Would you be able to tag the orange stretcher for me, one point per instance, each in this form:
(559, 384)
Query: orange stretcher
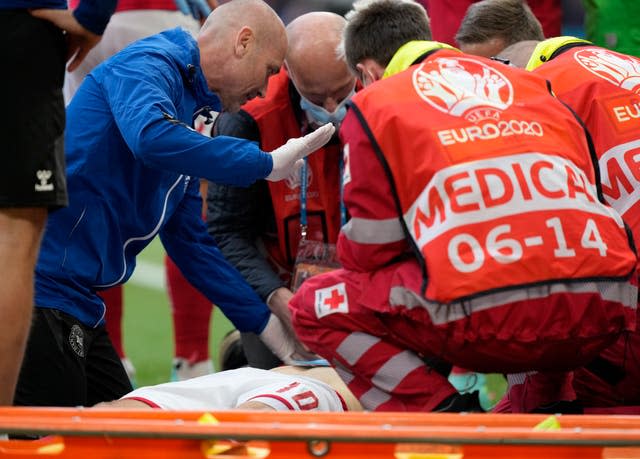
(70, 433)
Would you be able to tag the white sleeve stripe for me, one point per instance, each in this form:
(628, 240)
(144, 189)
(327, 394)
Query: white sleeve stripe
(370, 231)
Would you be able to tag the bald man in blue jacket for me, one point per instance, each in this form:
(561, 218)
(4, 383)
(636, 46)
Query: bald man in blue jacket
(132, 166)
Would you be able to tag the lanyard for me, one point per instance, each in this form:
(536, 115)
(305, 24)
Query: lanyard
(303, 198)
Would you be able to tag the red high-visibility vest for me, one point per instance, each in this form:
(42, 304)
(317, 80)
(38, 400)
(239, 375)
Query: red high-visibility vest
(603, 87)
(493, 178)
(277, 123)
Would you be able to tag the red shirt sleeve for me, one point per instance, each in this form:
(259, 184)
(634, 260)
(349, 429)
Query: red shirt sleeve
(373, 236)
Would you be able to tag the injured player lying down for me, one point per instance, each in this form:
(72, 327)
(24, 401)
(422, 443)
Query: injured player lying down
(286, 388)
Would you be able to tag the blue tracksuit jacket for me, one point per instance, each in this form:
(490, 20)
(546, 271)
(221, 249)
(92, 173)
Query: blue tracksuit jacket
(132, 160)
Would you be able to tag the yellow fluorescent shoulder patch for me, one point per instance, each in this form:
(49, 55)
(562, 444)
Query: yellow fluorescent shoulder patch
(545, 49)
(409, 52)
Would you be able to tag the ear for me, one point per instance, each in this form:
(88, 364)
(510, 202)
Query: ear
(498, 41)
(369, 71)
(497, 45)
(244, 40)
(377, 71)
(362, 74)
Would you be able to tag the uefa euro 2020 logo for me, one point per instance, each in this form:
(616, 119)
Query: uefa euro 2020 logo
(463, 87)
(622, 71)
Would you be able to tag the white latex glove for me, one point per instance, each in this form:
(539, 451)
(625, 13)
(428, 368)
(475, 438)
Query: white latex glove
(282, 343)
(289, 158)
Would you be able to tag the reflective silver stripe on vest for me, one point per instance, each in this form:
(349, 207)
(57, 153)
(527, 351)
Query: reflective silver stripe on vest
(373, 398)
(517, 379)
(344, 374)
(370, 231)
(355, 345)
(440, 313)
(395, 370)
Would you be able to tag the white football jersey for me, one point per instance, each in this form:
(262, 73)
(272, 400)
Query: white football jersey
(228, 389)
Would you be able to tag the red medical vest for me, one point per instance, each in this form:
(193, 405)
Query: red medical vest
(277, 123)
(493, 178)
(603, 87)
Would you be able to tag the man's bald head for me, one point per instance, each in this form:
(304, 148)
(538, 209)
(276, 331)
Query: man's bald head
(317, 70)
(235, 14)
(314, 39)
(242, 43)
(519, 53)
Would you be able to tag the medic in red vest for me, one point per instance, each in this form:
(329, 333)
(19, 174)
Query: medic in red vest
(478, 233)
(603, 87)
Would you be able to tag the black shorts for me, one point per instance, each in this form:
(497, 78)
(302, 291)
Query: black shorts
(32, 116)
(67, 363)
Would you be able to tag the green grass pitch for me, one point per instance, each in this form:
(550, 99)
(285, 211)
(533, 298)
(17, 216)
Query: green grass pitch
(147, 329)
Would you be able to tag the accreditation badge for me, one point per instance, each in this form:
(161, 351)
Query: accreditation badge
(313, 257)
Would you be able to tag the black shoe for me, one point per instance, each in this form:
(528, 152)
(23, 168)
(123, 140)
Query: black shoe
(231, 355)
(459, 403)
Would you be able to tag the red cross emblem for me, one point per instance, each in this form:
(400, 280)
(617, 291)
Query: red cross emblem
(335, 301)
(331, 300)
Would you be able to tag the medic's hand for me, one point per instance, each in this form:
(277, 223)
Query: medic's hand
(283, 343)
(199, 9)
(289, 158)
(79, 40)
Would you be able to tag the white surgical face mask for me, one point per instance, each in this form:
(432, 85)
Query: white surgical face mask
(320, 116)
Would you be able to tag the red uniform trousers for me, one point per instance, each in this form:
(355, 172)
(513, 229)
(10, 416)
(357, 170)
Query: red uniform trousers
(377, 331)
(536, 390)
(613, 379)
(606, 385)
(191, 313)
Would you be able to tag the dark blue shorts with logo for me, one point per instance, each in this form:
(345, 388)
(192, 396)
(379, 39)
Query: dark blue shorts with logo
(67, 363)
